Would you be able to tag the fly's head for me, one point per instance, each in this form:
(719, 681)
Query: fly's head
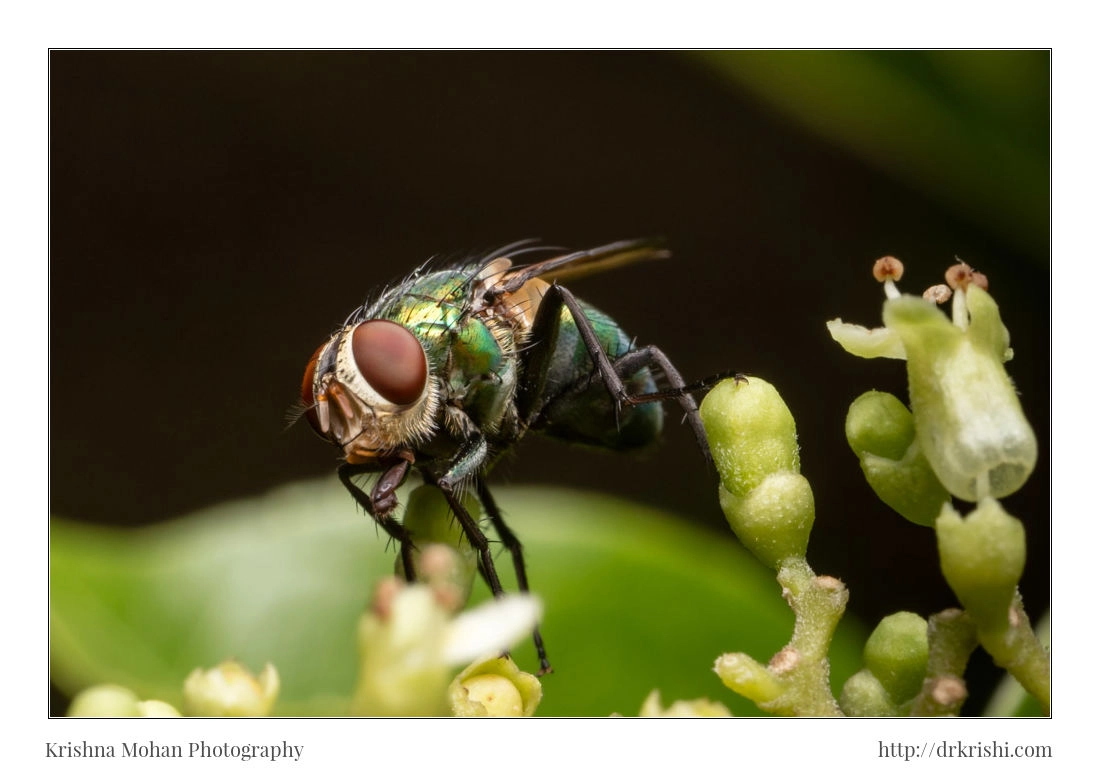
(369, 390)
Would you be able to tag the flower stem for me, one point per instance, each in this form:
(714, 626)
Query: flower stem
(796, 680)
(951, 640)
(1018, 650)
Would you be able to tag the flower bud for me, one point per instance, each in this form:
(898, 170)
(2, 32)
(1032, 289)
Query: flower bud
(105, 701)
(881, 433)
(751, 433)
(401, 669)
(696, 708)
(896, 653)
(768, 504)
(982, 558)
(746, 676)
(773, 522)
(409, 646)
(154, 708)
(864, 697)
(968, 418)
(230, 690)
(495, 688)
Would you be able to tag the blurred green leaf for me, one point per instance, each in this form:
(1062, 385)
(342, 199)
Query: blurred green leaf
(968, 128)
(635, 599)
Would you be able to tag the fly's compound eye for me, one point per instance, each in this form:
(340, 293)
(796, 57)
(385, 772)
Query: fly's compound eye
(309, 402)
(391, 360)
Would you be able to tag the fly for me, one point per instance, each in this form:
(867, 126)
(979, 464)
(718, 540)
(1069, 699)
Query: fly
(449, 368)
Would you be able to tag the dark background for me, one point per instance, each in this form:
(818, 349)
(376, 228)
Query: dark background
(214, 215)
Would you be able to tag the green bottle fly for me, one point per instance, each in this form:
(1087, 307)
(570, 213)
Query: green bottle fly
(449, 368)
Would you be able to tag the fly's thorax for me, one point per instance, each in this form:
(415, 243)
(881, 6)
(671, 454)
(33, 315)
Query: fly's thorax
(369, 390)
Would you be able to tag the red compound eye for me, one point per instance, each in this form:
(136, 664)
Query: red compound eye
(391, 360)
(308, 400)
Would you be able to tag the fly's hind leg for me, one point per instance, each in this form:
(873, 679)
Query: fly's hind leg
(610, 372)
(652, 356)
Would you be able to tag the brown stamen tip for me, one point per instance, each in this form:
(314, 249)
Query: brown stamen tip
(979, 279)
(888, 268)
(959, 275)
(938, 294)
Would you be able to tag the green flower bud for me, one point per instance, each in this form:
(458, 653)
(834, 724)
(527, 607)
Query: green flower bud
(230, 690)
(105, 701)
(864, 697)
(746, 676)
(429, 521)
(881, 433)
(879, 424)
(751, 433)
(495, 688)
(775, 519)
(697, 708)
(755, 448)
(968, 418)
(982, 558)
(896, 653)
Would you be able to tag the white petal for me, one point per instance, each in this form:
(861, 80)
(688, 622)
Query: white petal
(492, 627)
(866, 343)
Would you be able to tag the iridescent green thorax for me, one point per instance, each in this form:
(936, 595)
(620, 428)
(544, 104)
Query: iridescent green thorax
(472, 354)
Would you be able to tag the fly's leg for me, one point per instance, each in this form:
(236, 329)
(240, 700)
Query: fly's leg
(474, 534)
(512, 543)
(469, 461)
(649, 356)
(380, 503)
(531, 403)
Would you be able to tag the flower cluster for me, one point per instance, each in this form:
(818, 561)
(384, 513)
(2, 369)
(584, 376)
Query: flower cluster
(413, 640)
(963, 436)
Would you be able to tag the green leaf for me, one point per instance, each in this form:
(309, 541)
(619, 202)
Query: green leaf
(635, 599)
(968, 128)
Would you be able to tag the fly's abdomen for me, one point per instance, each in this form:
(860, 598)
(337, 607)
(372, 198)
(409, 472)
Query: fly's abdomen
(590, 416)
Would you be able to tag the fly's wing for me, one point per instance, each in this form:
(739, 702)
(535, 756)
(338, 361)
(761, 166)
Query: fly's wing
(580, 263)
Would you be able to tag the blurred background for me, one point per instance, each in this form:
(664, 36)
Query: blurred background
(215, 215)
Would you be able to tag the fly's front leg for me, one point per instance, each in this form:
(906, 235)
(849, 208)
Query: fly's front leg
(384, 493)
(381, 502)
(463, 468)
(474, 534)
